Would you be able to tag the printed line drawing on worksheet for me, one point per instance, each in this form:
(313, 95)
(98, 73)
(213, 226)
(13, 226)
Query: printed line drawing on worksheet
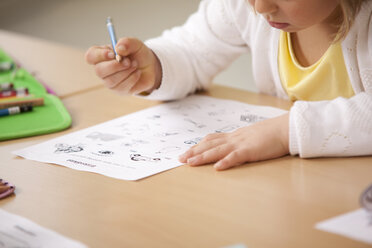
(149, 141)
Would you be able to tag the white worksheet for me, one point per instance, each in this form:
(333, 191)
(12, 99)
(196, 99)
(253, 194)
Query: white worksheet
(355, 225)
(16, 231)
(149, 141)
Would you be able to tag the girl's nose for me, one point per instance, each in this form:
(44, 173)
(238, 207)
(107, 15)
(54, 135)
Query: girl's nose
(265, 6)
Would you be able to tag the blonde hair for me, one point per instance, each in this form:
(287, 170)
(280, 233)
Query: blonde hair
(349, 10)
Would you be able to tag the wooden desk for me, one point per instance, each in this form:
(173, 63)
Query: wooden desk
(49, 61)
(274, 203)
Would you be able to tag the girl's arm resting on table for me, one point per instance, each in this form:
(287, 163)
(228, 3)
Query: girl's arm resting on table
(264, 140)
(341, 127)
(337, 128)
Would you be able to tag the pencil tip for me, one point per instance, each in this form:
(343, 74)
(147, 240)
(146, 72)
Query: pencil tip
(118, 58)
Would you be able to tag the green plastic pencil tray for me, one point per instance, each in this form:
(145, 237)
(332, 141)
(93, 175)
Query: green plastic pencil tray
(49, 118)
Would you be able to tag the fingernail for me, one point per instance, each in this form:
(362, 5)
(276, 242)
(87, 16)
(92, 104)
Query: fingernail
(111, 55)
(217, 165)
(121, 48)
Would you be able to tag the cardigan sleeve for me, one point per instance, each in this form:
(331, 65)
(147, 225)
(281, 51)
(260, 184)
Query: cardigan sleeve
(192, 54)
(337, 128)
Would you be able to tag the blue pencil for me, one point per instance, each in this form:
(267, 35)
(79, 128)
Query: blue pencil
(15, 110)
(111, 31)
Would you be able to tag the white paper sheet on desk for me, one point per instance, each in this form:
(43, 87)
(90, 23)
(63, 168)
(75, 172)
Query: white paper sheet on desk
(16, 231)
(355, 225)
(149, 141)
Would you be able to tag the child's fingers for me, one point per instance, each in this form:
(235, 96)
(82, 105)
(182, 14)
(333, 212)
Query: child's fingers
(118, 78)
(146, 83)
(128, 46)
(198, 149)
(4, 188)
(209, 156)
(96, 54)
(107, 68)
(126, 85)
(234, 158)
(213, 136)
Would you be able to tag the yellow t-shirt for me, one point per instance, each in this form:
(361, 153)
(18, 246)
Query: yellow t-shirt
(325, 80)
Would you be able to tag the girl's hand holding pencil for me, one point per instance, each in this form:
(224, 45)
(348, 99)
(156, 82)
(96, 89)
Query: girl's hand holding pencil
(138, 71)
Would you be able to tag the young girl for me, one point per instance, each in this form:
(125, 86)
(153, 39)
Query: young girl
(317, 53)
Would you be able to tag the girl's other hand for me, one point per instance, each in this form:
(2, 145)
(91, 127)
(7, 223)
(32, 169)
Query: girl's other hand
(264, 140)
(138, 71)
(4, 188)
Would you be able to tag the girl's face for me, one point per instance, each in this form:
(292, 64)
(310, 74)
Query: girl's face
(295, 15)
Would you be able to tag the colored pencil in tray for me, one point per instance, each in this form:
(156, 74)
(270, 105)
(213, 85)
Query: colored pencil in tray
(14, 92)
(6, 86)
(21, 101)
(15, 110)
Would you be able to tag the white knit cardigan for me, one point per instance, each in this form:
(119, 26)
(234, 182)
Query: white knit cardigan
(221, 30)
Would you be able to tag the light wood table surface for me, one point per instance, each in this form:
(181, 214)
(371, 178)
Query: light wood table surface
(274, 203)
(49, 61)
